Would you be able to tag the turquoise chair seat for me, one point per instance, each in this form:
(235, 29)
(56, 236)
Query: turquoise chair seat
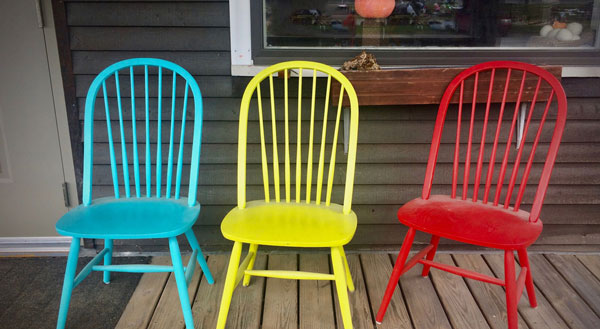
(129, 218)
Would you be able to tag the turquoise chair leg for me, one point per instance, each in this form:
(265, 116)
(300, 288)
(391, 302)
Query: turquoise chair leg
(108, 243)
(65, 299)
(182, 287)
(201, 260)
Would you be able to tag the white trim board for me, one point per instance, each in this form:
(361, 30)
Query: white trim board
(567, 71)
(35, 246)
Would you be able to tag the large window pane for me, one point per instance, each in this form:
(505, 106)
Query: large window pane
(429, 23)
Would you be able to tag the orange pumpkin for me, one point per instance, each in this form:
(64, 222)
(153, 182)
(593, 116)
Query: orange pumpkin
(559, 25)
(374, 8)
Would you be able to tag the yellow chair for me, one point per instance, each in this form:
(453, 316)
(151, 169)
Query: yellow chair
(298, 220)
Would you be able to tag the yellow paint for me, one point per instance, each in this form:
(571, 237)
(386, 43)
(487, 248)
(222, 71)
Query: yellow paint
(293, 224)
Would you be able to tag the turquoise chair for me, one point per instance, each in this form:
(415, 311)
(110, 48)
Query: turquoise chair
(160, 212)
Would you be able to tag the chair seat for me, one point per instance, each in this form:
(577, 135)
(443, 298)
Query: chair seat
(133, 218)
(289, 224)
(471, 222)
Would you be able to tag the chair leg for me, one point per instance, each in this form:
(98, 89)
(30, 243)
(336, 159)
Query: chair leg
(389, 291)
(524, 261)
(511, 289)
(65, 299)
(200, 258)
(435, 240)
(232, 269)
(253, 248)
(348, 274)
(108, 243)
(182, 287)
(340, 284)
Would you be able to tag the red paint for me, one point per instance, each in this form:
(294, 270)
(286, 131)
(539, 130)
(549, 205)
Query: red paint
(476, 222)
(374, 8)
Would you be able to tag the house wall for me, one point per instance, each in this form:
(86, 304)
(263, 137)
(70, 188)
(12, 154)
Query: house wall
(393, 141)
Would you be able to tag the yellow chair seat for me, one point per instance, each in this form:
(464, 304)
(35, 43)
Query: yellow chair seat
(289, 224)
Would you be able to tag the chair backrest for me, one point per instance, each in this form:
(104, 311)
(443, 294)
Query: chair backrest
(294, 107)
(501, 81)
(140, 71)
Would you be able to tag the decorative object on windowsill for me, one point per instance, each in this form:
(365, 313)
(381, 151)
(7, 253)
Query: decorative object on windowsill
(374, 8)
(561, 34)
(362, 62)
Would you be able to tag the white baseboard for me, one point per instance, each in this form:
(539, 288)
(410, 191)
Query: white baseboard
(34, 246)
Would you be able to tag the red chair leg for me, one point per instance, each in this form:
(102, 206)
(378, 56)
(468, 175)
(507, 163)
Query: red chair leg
(511, 289)
(435, 240)
(389, 291)
(524, 261)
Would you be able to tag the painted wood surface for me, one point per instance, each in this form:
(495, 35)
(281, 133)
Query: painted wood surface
(393, 140)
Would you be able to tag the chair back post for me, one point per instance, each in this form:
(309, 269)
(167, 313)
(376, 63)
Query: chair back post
(544, 80)
(254, 89)
(100, 82)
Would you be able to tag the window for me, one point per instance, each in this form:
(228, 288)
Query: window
(428, 32)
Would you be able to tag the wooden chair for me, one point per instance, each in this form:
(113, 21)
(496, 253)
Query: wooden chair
(160, 211)
(298, 219)
(482, 219)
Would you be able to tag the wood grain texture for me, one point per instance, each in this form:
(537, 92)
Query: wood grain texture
(205, 308)
(426, 86)
(139, 310)
(579, 277)
(378, 269)
(164, 316)
(315, 297)
(424, 306)
(592, 262)
(544, 315)
(359, 300)
(246, 306)
(490, 298)
(561, 295)
(281, 296)
(460, 306)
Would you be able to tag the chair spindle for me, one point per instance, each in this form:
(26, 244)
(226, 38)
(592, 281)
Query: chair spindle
(275, 155)
(323, 139)
(122, 131)
(136, 160)
(171, 139)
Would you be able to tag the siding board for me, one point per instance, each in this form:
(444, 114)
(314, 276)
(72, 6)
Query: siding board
(150, 38)
(393, 140)
(168, 13)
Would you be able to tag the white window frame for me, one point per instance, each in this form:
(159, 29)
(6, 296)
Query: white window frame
(241, 46)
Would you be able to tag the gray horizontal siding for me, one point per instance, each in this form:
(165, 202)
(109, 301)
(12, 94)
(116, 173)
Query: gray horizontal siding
(393, 140)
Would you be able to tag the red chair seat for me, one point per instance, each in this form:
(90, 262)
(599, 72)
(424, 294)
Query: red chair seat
(471, 222)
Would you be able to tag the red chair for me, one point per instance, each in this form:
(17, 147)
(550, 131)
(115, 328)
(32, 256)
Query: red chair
(481, 219)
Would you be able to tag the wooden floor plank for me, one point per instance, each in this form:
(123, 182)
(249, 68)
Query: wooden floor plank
(139, 310)
(461, 308)
(579, 277)
(491, 298)
(565, 300)
(205, 308)
(424, 306)
(316, 309)
(246, 305)
(592, 262)
(359, 301)
(378, 269)
(544, 315)
(281, 295)
(166, 314)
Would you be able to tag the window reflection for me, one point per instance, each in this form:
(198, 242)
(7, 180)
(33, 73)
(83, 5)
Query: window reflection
(432, 23)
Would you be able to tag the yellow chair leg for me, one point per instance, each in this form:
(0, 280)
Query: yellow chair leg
(234, 262)
(340, 285)
(348, 274)
(253, 248)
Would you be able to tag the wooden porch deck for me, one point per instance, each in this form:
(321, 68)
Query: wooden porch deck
(567, 286)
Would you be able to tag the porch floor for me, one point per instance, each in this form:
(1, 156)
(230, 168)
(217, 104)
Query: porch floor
(567, 287)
